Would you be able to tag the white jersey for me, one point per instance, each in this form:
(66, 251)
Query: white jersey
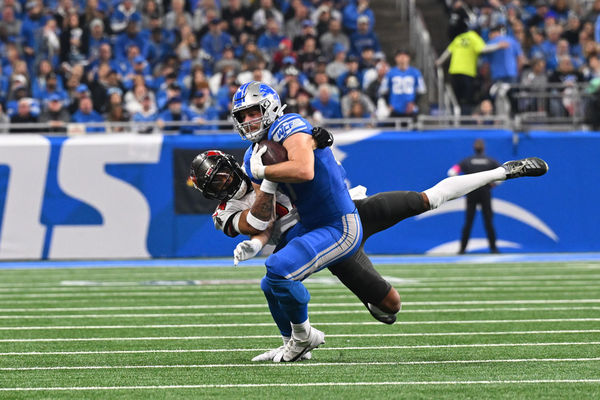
(287, 215)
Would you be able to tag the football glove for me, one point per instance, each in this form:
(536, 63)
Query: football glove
(246, 250)
(256, 164)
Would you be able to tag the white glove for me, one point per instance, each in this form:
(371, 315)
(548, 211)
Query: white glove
(256, 165)
(246, 250)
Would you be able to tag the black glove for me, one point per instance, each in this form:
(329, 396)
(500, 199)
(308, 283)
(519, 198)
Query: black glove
(322, 137)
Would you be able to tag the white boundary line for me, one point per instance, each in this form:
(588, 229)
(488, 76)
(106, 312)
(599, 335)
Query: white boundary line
(149, 338)
(317, 364)
(307, 384)
(321, 292)
(262, 305)
(405, 347)
(242, 325)
(266, 313)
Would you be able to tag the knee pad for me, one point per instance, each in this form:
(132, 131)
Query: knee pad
(415, 202)
(286, 291)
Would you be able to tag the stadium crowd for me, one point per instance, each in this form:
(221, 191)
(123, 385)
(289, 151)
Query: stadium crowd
(546, 42)
(154, 62)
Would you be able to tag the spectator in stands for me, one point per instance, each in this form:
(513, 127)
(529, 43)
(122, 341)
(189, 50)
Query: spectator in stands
(465, 50)
(308, 30)
(402, 87)
(23, 116)
(294, 26)
(356, 95)
(175, 112)
(549, 46)
(319, 79)
(334, 36)
(33, 21)
(51, 89)
(126, 11)
(538, 19)
(484, 113)
(265, 10)
(338, 66)
(506, 62)
(116, 118)
(373, 85)
(130, 37)
(352, 69)
(308, 56)
(202, 109)
(48, 43)
(95, 39)
(324, 103)
(565, 101)
(353, 11)
(146, 116)
(11, 24)
(86, 114)
(73, 40)
(364, 37)
(214, 42)
(269, 41)
(55, 115)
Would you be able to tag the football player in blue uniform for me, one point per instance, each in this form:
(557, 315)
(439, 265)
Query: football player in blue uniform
(218, 176)
(329, 230)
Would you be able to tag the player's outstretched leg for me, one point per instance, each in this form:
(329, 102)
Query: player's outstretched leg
(530, 166)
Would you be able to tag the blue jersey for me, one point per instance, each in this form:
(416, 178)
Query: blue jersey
(323, 199)
(402, 87)
(504, 62)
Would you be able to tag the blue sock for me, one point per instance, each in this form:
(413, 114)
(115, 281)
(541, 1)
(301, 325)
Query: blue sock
(292, 297)
(278, 314)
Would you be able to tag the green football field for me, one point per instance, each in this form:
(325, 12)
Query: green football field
(510, 330)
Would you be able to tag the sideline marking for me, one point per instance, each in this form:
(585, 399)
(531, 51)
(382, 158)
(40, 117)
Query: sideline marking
(262, 305)
(266, 313)
(243, 325)
(148, 338)
(262, 385)
(286, 365)
(259, 262)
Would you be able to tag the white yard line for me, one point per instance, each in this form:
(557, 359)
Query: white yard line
(242, 325)
(306, 384)
(405, 347)
(262, 305)
(266, 313)
(149, 338)
(321, 291)
(312, 364)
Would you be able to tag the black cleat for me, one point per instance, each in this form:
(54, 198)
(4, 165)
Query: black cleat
(530, 166)
(381, 316)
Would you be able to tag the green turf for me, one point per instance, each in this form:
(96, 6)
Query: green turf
(466, 331)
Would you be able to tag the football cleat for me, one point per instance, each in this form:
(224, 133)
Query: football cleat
(270, 355)
(295, 349)
(530, 166)
(381, 316)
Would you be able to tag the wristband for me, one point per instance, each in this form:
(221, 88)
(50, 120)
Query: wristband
(256, 223)
(268, 186)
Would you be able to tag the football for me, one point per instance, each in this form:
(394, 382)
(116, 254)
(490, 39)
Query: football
(275, 153)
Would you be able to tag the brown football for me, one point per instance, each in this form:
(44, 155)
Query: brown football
(275, 153)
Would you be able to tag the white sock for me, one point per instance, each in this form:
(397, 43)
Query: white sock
(457, 186)
(301, 331)
(286, 339)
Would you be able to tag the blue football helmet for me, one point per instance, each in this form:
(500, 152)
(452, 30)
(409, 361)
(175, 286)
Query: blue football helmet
(265, 99)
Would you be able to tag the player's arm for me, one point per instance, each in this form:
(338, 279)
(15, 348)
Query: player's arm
(249, 248)
(300, 166)
(260, 216)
